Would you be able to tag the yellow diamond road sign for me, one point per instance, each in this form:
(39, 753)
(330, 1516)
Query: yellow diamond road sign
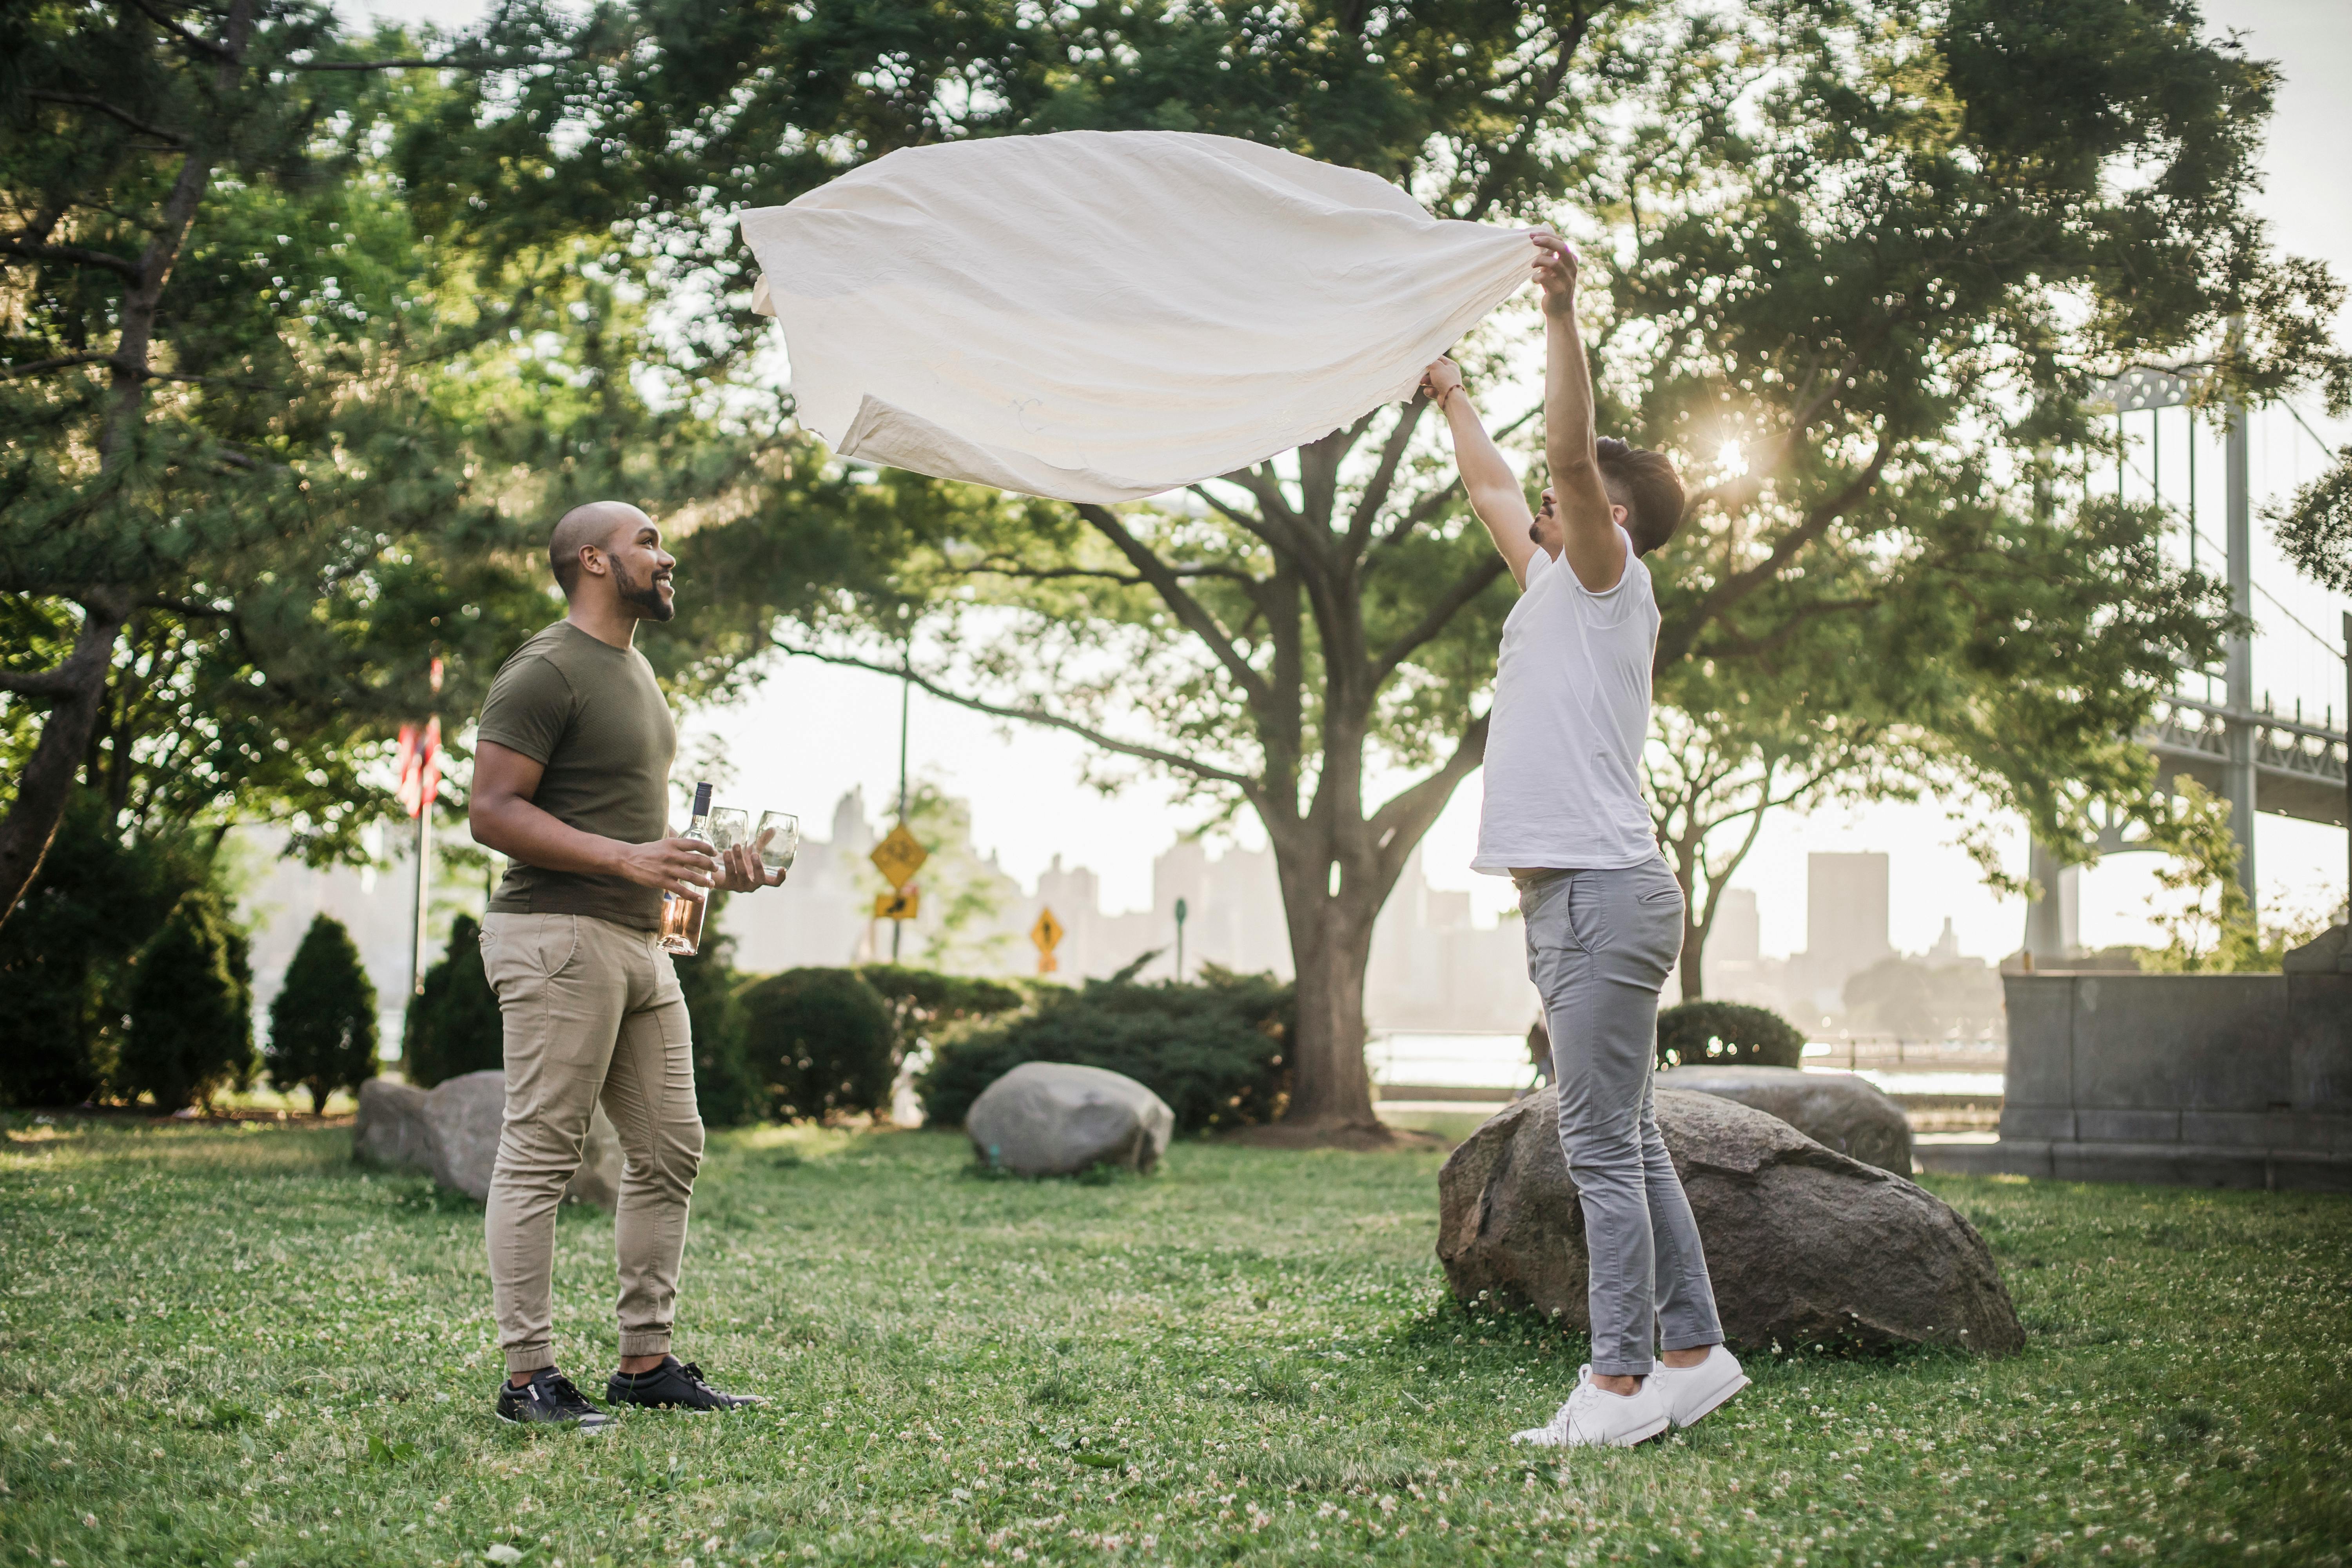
(898, 856)
(1047, 934)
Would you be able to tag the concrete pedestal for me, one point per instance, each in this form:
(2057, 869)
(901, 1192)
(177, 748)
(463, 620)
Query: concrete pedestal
(2216, 1081)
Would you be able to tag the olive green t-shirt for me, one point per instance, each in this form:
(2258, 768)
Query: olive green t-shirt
(592, 715)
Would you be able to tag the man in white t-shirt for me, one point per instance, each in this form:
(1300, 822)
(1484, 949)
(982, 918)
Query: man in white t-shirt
(1564, 817)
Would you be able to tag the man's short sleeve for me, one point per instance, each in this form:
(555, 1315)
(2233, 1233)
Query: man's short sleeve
(529, 708)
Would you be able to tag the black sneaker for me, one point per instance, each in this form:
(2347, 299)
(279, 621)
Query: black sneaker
(550, 1398)
(673, 1385)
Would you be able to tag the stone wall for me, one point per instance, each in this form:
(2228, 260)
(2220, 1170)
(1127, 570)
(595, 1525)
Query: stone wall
(2223, 1080)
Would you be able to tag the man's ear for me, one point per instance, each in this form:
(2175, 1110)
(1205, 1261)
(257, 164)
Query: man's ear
(593, 562)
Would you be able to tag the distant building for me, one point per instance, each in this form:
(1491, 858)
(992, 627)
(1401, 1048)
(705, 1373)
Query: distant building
(1845, 930)
(1737, 936)
(1431, 969)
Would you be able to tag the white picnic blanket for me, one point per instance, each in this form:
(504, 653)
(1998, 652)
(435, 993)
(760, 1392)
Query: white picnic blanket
(1099, 316)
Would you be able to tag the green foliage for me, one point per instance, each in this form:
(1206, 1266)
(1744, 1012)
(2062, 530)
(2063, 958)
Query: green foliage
(453, 1025)
(927, 1006)
(64, 958)
(190, 1031)
(2315, 529)
(2209, 924)
(1214, 1049)
(1881, 250)
(1727, 1033)
(819, 1042)
(726, 1092)
(322, 1025)
(359, 424)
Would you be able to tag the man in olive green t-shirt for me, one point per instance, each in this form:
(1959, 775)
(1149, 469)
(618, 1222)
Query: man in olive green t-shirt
(572, 784)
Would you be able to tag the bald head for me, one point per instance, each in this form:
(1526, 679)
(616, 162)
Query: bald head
(596, 525)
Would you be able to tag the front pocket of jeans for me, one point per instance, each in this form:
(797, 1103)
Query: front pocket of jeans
(558, 944)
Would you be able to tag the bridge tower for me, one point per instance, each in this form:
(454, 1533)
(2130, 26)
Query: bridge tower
(2249, 757)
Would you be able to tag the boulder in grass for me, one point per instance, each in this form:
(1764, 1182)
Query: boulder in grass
(392, 1131)
(452, 1133)
(1055, 1119)
(1837, 1111)
(1805, 1245)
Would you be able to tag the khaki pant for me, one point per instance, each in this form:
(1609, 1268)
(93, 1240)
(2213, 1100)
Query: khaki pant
(593, 1010)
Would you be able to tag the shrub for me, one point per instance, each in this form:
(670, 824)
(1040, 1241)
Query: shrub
(818, 1042)
(1214, 1050)
(453, 1026)
(726, 1092)
(191, 1008)
(322, 1020)
(924, 1002)
(66, 954)
(1727, 1033)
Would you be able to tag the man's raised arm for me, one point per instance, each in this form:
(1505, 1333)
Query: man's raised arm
(1493, 491)
(1590, 541)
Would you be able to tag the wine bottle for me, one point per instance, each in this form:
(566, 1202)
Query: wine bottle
(681, 924)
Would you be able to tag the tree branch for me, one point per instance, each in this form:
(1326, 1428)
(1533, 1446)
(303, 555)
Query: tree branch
(1398, 825)
(446, 62)
(72, 255)
(1376, 490)
(1028, 716)
(85, 100)
(62, 361)
(1473, 583)
(996, 567)
(1194, 615)
(204, 45)
(1676, 644)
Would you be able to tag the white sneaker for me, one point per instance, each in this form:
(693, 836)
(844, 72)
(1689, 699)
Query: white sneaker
(1593, 1418)
(1691, 1392)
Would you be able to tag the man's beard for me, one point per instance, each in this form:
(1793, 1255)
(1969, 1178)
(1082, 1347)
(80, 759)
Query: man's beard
(645, 597)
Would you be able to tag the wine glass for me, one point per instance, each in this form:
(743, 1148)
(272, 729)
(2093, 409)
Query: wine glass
(779, 839)
(727, 826)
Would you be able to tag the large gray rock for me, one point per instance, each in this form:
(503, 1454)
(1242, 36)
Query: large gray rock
(1803, 1244)
(392, 1131)
(1052, 1119)
(1836, 1111)
(452, 1134)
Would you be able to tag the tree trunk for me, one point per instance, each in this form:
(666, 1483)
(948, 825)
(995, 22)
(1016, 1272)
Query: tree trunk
(1331, 948)
(78, 686)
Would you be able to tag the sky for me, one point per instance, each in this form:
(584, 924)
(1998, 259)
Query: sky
(811, 732)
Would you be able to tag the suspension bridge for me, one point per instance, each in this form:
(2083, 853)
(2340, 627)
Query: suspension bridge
(2213, 727)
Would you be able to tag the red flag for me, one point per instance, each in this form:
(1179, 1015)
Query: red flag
(420, 765)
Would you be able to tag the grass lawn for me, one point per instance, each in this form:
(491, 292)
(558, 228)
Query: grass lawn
(226, 1345)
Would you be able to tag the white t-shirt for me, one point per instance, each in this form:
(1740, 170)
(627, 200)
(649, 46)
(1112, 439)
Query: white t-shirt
(1571, 712)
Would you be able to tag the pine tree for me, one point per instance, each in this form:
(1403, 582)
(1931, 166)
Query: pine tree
(191, 1008)
(453, 1025)
(323, 1031)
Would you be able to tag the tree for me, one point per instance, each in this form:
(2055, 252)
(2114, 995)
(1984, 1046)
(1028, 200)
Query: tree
(726, 1092)
(2315, 529)
(322, 1028)
(453, 1025)
(65, 967)
(1861, 262)
(191, 1030)
(271, 443)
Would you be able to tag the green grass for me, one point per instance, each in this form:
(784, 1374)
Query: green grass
(229, 1346)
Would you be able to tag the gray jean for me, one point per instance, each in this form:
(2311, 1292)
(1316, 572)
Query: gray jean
(1600, 946)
